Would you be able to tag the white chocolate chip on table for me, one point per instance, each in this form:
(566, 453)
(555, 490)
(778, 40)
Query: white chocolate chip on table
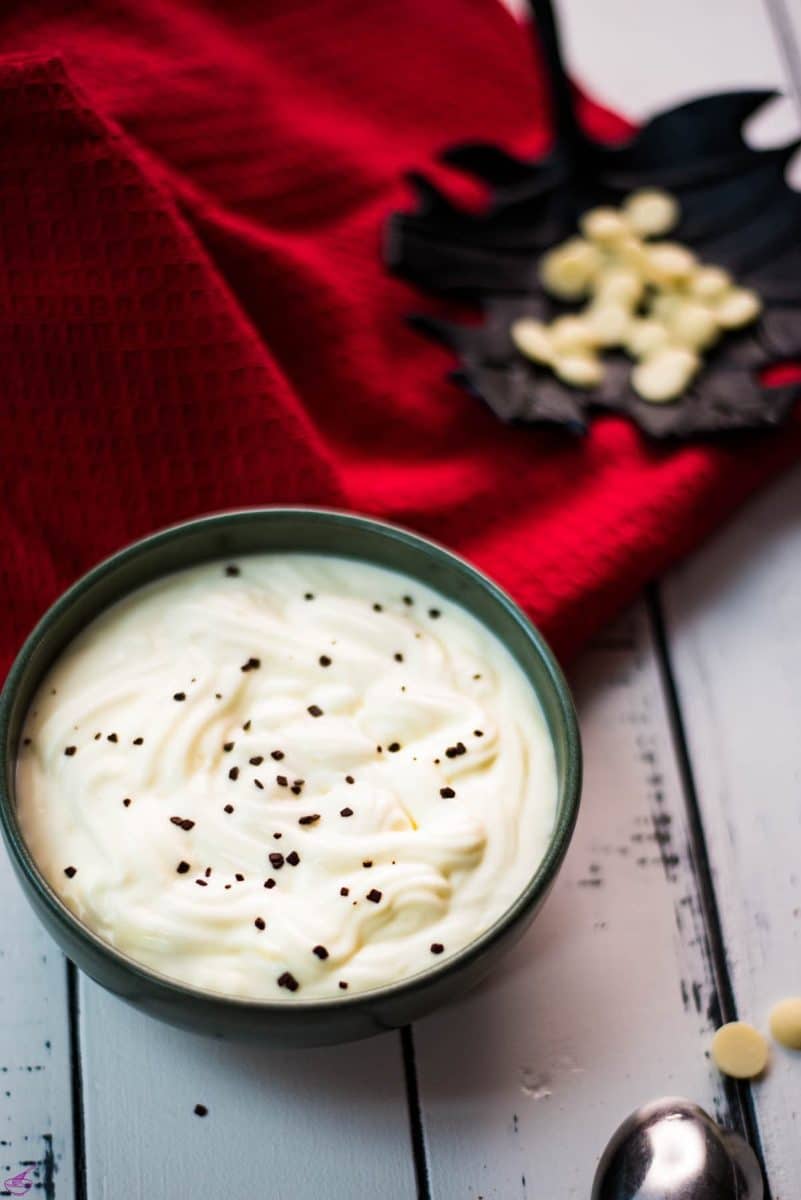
(785, 1022)
(740, 1050)
(651, 298)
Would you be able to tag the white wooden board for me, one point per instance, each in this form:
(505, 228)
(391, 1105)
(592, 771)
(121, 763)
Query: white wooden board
(604, 1003)
(298, 1125)
(35, 1081)
(734, 615)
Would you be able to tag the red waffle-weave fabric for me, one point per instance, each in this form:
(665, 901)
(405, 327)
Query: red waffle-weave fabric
(194, 313)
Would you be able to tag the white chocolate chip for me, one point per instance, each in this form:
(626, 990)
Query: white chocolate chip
(651, 212)
(785, 1022)
(567, 270)
(532, 339)
(694, 325)
(620, 284)
(569, 334)
(665, 375)
(740, 1050)
(737, 307)
(668, 264)
(604, 225)
(645, 336)
(709, 283)
(664, 306)
(579, 370)
(607, 322)
(631, 252)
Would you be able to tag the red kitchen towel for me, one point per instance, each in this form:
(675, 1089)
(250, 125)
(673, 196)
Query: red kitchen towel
(195, 314)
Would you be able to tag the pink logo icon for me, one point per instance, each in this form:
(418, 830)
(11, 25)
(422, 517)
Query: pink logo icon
(18, 1185)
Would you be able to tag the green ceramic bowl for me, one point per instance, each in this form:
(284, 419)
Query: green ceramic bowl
(226, 535)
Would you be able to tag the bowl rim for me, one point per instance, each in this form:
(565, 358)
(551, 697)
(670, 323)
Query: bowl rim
(568, 796)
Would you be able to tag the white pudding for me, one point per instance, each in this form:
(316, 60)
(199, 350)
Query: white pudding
(288, 775)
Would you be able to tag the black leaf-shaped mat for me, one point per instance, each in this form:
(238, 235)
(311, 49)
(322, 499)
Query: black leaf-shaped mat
(737, 211)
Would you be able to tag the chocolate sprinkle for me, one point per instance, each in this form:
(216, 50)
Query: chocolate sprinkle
(408, 600)
(207, 872)
(293, 858)
(239, 878)
(343, 985)
(346, 812)
(182, 867)
(478, 733)
(344, 891)
(232, 570)
(201, 883)
(138, 741)
(374, 895)
(309, 596)
(394, 747)
(126, 802)
(456, 751)
(246, 726)
(179, 695)
(314, 710)
(277, 755)
(228, 747)
(70, 871)
(70, 750)
(229, 808)
(276, 860)
(288, 980)
(437, 947)
(378, 608)
(310, 820)
(324, 660)
(368, 862)
(349, 779)
(282, 781)
(98, 736)
(258, 783)
(233, 773)
(260, 923)
(112, 737)
(447, 793)
(269, 883)
(182, 822)
(320, 951)
(296, 789)
(252, 664)
(434, 613)
(201, 1110)
(398, 656)
(257, 760)
(278, 836)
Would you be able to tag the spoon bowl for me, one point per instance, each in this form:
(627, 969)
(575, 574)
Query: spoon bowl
(671, 1149)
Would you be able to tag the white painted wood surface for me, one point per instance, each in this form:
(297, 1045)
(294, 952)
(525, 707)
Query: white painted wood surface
(329, 1123)
(604, 1003)
(734, 614)
(35, 1080)
(607, 1000)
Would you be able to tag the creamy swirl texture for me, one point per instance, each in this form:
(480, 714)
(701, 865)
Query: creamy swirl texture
(286, 775)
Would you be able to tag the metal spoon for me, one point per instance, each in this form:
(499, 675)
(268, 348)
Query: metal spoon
(671, 1149)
